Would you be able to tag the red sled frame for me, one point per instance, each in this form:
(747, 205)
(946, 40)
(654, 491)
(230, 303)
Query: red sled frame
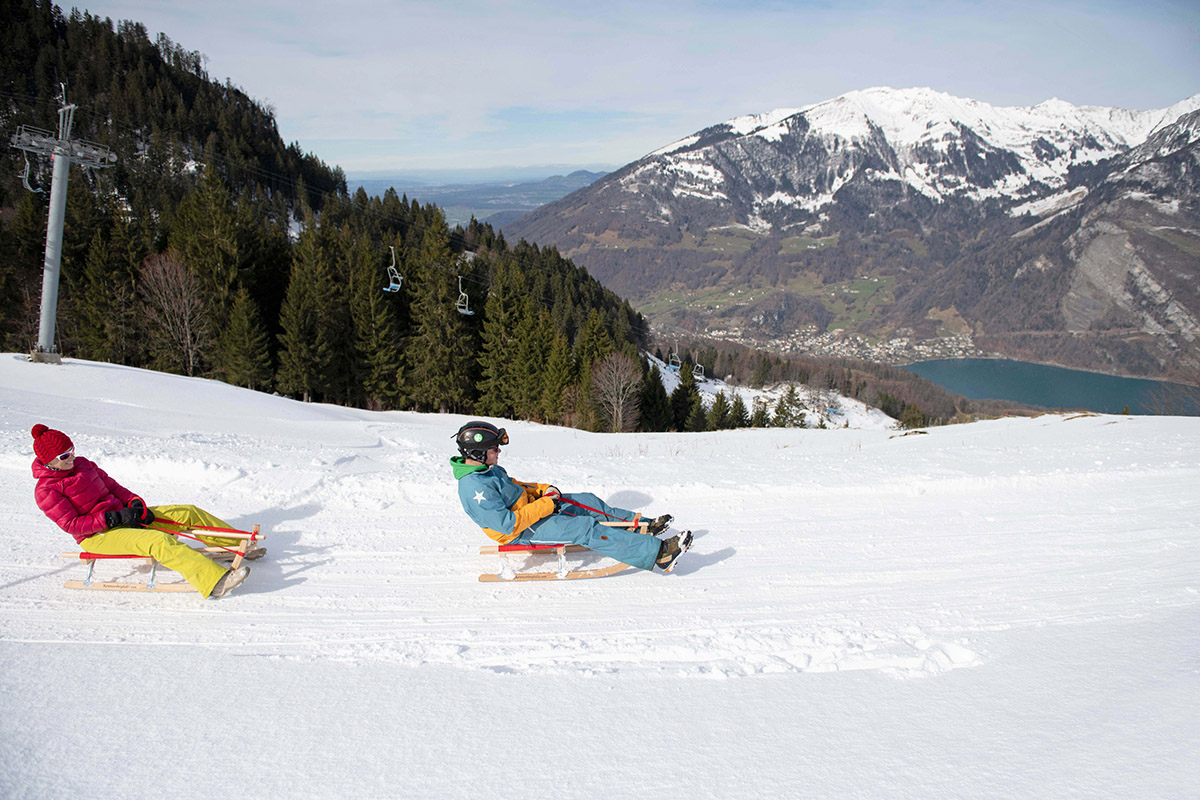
(152, 585)
(508, 575)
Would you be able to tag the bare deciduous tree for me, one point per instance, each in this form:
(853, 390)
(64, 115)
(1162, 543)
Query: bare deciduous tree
(615, 381)
(177, 310)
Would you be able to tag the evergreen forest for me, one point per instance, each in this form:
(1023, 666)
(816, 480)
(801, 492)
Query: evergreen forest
(212, 248)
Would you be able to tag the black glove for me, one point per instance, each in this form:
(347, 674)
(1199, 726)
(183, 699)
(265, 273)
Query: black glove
(145, 515)
(125, 518)
(554, 494)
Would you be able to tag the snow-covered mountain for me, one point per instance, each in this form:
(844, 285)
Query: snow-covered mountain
(768, 220)
(933, 143)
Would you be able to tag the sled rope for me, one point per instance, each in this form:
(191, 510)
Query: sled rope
(595, 510)
(164, 520)
(204, 527)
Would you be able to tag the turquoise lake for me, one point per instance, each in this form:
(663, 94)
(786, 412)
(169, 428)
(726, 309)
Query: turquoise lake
(1052, 387)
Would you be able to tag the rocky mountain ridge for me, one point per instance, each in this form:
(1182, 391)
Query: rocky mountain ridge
(899, 218)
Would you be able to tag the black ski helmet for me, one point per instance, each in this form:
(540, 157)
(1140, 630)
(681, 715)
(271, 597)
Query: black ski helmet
(476, 438)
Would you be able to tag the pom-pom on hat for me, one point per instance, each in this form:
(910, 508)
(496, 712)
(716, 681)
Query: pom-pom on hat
(49, 444)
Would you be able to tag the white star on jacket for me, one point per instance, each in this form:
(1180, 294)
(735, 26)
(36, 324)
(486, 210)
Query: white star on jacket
(479, 498)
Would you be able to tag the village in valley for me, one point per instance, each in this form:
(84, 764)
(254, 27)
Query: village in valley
(811, 341)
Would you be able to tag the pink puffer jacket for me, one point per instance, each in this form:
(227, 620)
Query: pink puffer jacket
(76, 499)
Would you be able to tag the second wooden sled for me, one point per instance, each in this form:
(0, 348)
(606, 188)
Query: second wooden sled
(152, 584)
(508, 575)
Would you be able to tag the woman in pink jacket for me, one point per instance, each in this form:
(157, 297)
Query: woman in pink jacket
(106, 518)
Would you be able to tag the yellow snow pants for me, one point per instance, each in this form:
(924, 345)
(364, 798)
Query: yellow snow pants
(197, 569)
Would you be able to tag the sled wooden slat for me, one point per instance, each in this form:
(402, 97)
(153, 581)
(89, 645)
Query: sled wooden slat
(642, 527)
(599, 572)
(118, 586)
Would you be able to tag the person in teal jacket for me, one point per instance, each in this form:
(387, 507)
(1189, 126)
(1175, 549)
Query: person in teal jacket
(514, 512)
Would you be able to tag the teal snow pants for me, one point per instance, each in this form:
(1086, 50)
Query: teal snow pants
(575, 525)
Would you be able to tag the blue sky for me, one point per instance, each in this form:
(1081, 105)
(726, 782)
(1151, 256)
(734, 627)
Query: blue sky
(407, 87)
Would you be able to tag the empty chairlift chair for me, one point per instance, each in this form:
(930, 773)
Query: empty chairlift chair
(394, 276)
(464, 302)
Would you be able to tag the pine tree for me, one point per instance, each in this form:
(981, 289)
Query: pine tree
(697, 419)
(244, 345)
(556, 377)
(205, 234)
(594, 342)
(535, 335)
(503, 315)
(104, 313)
(20, 270)
(788, 410)
(304, 355)
(655, 405)
(592, 346)
(912, 417)
(439, 355)
(760, 418)
(335, 308)
(683, 400)
(375, 335)
(719, 413)
(738, 418)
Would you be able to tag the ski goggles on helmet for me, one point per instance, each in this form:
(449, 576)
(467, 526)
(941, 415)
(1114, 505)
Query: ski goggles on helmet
(475, 438)
(482, 438)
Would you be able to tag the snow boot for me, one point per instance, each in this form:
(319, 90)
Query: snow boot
(659, 524)
(229, 581)
(671, 549)
(254, 553)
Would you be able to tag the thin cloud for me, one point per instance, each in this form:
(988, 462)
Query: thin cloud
(477, 84)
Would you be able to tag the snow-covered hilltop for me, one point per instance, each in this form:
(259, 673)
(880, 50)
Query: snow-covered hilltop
(994, 610)
(923, 138)
(820, 408)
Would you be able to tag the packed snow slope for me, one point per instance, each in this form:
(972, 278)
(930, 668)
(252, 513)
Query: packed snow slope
(996, 610)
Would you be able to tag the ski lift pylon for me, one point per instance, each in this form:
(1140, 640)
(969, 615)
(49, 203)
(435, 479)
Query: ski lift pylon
(463, 306)
(394, 276)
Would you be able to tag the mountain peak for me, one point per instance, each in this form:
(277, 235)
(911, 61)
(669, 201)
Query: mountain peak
(917, 114)
(959, 219)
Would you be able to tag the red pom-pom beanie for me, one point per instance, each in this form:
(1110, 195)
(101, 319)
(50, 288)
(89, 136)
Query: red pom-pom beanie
(49, 444)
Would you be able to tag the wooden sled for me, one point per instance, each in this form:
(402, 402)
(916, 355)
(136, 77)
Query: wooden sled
(507, 574)
(235, 556)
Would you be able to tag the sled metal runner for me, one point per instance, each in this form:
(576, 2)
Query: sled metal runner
(509, 575)
(235, 555)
